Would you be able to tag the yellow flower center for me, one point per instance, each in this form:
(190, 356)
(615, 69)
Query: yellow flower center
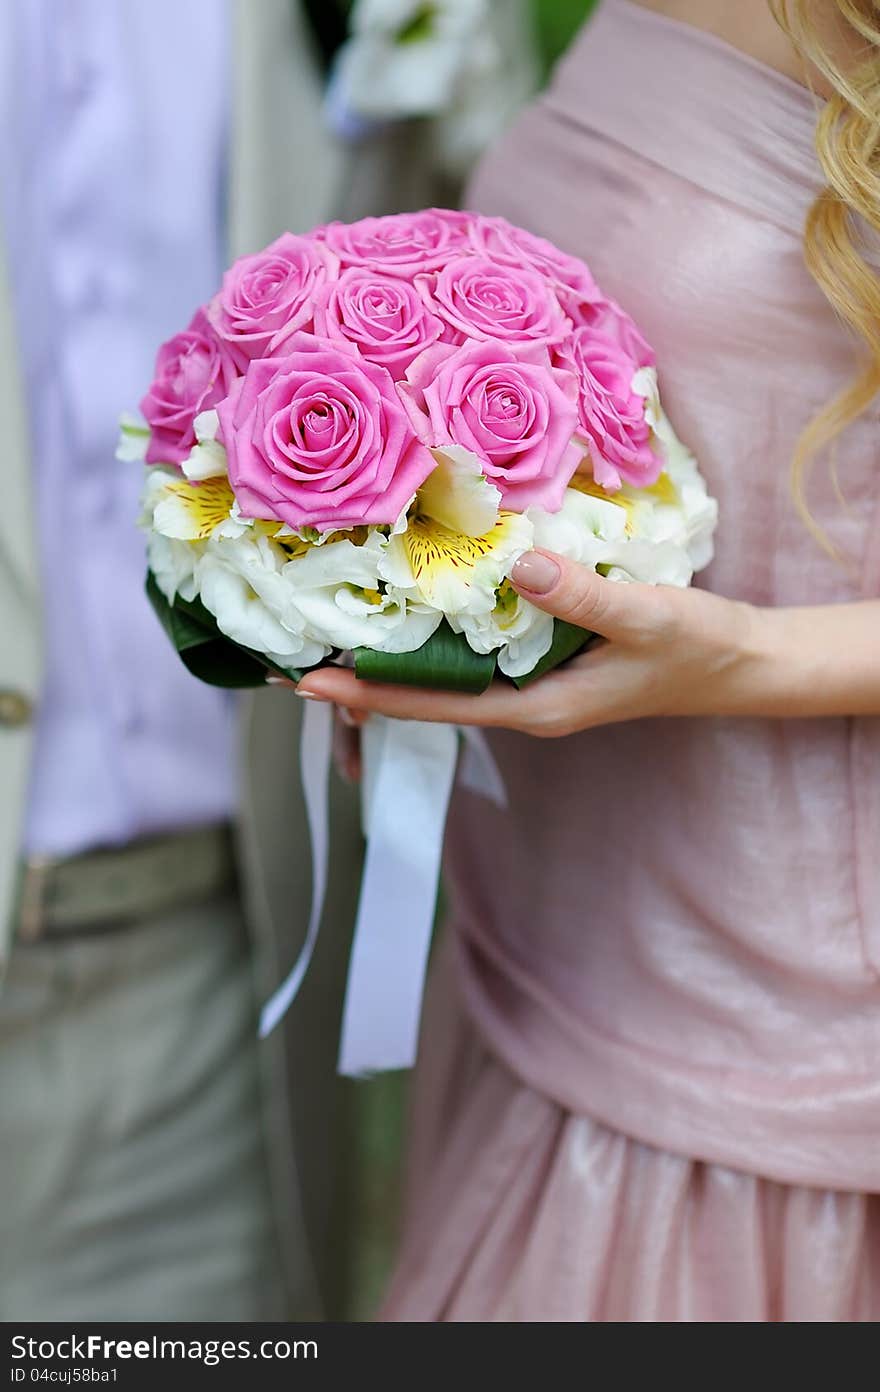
(430, 546)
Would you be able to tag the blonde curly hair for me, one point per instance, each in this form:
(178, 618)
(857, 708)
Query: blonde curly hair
(848, 146)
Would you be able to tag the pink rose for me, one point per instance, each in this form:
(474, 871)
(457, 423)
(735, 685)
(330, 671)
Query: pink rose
(266, 297)
(518, 417)
(607, 318)
(384, 317)
(513, 246)
(191, 376)
(402, 244)
(612, 415)
(479, 298)
(319, 438)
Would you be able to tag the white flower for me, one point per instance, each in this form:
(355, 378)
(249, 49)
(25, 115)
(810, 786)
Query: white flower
(683, 511)
(653, 563)
(241, 583)
(196, 511)
(455, 565)
(407, 57)
(586, 527)
(521, 633)
(336, 592)
(134, 436)
(614, 534)
(207, 458)
(173, 562)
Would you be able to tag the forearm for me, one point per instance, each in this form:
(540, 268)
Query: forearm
(822, 661)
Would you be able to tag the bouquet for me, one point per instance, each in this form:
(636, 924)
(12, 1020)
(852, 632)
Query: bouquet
(351, 444)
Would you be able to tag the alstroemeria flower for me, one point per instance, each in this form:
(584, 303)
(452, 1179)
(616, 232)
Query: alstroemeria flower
(456, 546)
(172, 561)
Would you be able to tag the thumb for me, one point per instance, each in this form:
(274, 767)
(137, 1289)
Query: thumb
(577, 594)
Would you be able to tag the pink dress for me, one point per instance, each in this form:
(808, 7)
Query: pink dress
(650, 1079)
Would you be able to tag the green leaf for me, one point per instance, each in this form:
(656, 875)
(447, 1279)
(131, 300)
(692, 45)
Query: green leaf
(420, 27)
(568, 640)
(446, 662)
(204, 650)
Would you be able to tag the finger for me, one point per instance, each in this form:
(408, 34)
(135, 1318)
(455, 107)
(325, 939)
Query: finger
(352, 718)
(577, 594)
(500, 705)
(347, 751)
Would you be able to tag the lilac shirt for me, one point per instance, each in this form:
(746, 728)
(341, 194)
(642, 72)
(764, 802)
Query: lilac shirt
(112, 178)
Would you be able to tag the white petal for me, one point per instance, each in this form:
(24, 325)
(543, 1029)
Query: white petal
(134, 436)
(458, 494)
(207, 460)
(238, 602)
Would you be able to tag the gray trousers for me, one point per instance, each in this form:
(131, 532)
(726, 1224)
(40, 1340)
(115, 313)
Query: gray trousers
(133, 1181)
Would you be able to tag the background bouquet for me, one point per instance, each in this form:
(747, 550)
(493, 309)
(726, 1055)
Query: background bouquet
(355, 439)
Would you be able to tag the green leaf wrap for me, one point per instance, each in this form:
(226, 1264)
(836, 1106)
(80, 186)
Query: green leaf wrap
(446, 663)
(204, 650)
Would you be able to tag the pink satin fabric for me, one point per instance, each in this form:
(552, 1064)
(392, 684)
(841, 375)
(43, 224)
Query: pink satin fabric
(669, 947)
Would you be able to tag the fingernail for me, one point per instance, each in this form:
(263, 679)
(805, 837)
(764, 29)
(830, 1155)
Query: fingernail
(278, 681)
(536, 573)
(311, 695)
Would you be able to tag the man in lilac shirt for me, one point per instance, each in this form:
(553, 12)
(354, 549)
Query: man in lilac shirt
(134, 1180)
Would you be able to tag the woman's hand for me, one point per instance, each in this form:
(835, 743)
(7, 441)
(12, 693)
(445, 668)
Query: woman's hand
(669, 652)
(347, 743)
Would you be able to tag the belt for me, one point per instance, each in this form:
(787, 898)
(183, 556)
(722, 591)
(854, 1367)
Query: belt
(116, 886)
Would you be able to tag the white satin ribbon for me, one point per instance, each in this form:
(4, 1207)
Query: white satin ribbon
(478, 771)
(406, 799)
(315, 756)
(409, 771)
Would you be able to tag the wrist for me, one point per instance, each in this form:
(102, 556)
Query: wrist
(783, 664)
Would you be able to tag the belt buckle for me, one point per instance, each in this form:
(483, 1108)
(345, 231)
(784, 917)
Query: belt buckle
(32, 901)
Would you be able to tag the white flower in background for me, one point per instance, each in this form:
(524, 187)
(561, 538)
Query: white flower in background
(406, 57)
(683, 511)
(336, 593)
(502, 75)
(241, 583)
(468, 64)
(457, 545)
